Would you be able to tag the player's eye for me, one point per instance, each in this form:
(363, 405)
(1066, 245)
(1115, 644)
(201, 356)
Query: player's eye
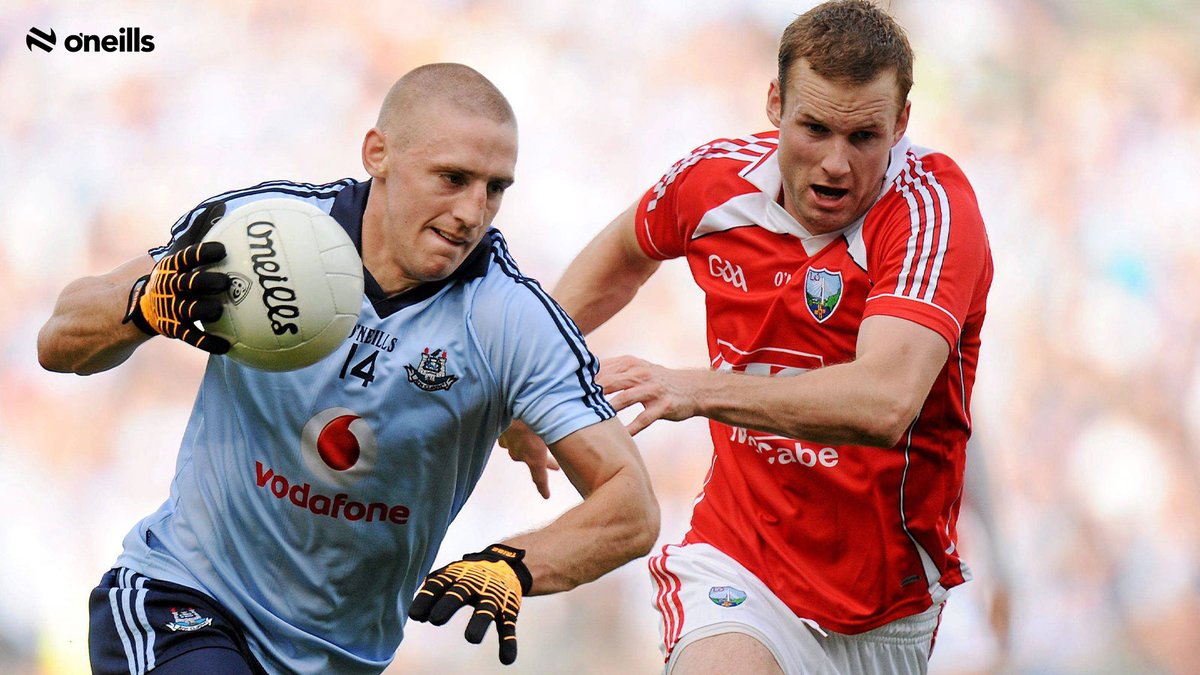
(815, 129)
(455, 179)
(497, 187)
(863, 136)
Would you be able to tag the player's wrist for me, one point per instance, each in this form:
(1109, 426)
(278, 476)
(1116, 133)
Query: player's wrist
(513, 557)
(133, 308)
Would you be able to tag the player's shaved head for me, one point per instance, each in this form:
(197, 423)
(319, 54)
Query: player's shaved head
(452, 84)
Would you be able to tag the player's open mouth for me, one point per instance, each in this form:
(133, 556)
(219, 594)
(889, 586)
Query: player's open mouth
(830, 193)
(453, 240)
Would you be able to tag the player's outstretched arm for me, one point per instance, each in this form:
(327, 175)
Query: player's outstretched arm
(605, 275)
(617, 522)
(868, 401)
(93, 329)
(84, 334)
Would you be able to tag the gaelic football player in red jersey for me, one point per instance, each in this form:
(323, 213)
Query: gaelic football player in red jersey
(846, 272)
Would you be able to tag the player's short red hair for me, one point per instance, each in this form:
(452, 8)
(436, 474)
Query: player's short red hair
(849, 41)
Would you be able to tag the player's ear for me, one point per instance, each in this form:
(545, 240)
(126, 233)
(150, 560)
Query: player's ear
(902, 123)
(374, 153)
(774, 103)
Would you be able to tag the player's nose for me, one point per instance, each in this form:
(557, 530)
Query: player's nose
(836, 162)
(471, 205)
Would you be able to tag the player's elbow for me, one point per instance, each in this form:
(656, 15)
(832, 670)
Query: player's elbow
(644, 522)
(888, 422)
(651, 524)
(50, 354)
(61, 352)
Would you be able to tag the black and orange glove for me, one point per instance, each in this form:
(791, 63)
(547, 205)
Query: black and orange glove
(492, 581)
(177, 293)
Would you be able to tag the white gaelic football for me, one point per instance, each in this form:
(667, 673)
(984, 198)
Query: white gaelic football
(297, 284)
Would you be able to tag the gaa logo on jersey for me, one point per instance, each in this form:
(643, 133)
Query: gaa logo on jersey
(726, 596)
(338, 446)
(822, 293)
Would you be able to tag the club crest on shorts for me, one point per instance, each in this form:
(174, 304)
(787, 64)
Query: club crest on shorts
(822, 293)
(188, 620)
(726, 596)
(430, 374)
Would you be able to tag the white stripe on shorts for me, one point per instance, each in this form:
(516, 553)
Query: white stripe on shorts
(127, 599)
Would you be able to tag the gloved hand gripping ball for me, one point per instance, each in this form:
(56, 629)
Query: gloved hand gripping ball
(177, 293)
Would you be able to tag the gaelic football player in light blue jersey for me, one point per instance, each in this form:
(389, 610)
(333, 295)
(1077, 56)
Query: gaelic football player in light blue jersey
(308, 506)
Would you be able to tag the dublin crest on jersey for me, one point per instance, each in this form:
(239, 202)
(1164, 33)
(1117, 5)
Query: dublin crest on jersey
(430, 374)
(188, 620)
(822, 293)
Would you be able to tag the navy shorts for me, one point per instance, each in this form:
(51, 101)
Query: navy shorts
(139, 624)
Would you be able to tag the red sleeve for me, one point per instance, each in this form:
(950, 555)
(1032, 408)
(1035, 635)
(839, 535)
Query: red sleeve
(662, 228)
(927, 251)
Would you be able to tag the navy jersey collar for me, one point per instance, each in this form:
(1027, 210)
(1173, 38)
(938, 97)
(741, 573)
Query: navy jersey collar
(348, 208)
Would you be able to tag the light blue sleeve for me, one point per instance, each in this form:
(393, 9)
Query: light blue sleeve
(538, 355)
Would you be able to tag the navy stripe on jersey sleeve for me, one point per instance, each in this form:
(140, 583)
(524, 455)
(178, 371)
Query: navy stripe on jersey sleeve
(588, 367)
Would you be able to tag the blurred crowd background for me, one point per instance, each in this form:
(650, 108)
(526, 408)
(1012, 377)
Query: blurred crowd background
(1078, 122)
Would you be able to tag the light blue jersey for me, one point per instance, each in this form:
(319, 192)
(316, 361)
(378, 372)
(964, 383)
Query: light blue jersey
(312, 503)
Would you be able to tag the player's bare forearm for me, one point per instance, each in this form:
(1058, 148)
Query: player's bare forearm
(84, 334)
(617, 521)
(605, 275)
(835, 405)
(868, 401)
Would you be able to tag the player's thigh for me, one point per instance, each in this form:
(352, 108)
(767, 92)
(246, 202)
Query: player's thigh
(725, 654)
(702, 593)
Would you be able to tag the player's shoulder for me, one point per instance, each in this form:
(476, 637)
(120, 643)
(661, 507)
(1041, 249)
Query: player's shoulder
(925, 168)
(941, 166)
(715, 171)
(497, 270)
(732, 154)
(320, 194)
(501, 292)
(921, 179)
(928, 194)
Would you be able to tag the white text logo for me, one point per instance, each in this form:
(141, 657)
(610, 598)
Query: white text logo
(793, 452)
(727, 272)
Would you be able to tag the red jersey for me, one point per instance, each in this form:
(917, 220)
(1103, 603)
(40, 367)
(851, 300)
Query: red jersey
(849, 536)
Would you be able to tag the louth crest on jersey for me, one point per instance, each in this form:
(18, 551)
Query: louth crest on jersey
(822, 293)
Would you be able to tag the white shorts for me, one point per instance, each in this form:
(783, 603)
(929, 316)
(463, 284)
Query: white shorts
(701, 592)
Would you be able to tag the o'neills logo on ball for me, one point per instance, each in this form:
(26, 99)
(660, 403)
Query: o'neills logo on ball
(278, 298)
